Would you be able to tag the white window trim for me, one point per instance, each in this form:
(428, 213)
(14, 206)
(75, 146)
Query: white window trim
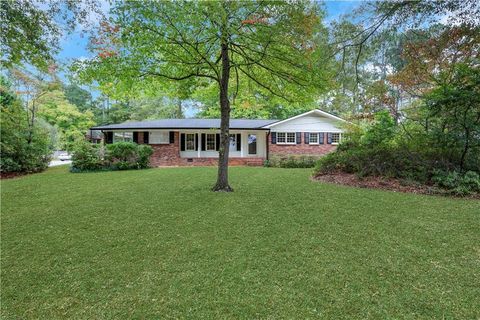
(214, 141)
(339, 138)
(286, 141)
(318, 137)
(152, 139)
(194, 141)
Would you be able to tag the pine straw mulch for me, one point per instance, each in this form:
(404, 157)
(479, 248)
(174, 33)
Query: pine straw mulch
(382, 183)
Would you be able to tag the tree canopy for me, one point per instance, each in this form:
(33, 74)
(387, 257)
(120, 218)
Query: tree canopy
(274, 46)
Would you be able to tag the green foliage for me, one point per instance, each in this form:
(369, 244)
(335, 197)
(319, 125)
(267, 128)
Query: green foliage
(71, 123)
(87, 157)
(292, 161)
(31, 30)
(452, 111)
(79, 97)
(456, 183)
(385, 149)
(23, 148)
(382, 131)
(122, 155)
(128, 155)
(115, 156)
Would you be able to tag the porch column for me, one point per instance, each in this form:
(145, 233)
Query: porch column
(242, 140)
(199, 144)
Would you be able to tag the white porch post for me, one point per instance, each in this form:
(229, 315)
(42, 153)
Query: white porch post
(199, 144)
(242, 140)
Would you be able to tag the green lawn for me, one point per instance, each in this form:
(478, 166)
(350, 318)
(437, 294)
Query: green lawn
(158, 244)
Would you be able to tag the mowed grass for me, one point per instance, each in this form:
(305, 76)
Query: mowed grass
(159, 244)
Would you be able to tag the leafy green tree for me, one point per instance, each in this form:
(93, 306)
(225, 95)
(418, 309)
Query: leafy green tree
(272, 44)
(71, 123)
(24, 148)
(81, 98)
(31, 30)
(453, 114)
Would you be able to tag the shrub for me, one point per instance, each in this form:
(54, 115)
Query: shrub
(455, 183)
(292, 161)
(116, 156)
(144, 153)
(122, 155)
(86, 157)
(128, 155)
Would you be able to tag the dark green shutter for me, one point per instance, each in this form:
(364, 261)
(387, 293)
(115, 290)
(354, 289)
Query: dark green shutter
(203, 141)
(321, 138)
(196, 141)
(182, 142)
(274, 138)
(299, 137)
(217, 140)
(135, 137)
(172, 136)
(239, 141)
(307, 138)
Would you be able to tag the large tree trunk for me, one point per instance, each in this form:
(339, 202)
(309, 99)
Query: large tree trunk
(222, 178)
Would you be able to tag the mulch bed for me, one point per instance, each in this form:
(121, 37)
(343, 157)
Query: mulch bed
(382, 183)
(12, 175)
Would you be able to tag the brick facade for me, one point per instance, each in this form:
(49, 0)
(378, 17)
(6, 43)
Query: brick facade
(169, 155)
(301, 148)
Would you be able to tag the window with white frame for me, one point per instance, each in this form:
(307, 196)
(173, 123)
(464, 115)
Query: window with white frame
(286, 138)
(313, 138)
(122, 136)
(335, 138)
(190, 142)
(211, 141)
(159, 137)
(291, 137)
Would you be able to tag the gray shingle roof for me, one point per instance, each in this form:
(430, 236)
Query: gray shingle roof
(186, 124)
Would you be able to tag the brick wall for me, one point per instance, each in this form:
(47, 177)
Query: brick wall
(302, 148)
(169, 155)
(165, 154)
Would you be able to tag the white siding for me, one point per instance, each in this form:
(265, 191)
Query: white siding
(309, 123)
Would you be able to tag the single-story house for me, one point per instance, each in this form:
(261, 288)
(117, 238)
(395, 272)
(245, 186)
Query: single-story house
(179, 142)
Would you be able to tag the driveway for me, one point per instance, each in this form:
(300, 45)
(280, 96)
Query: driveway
(55, 163)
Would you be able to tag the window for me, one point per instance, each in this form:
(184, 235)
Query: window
(159, 137)
(128, 136)
(233, 142)
(211, 140)
(190, 142)
(122, 137)
(313, 138)
(291, 137)
(335, 138)
(286, 138)
(252, 144)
